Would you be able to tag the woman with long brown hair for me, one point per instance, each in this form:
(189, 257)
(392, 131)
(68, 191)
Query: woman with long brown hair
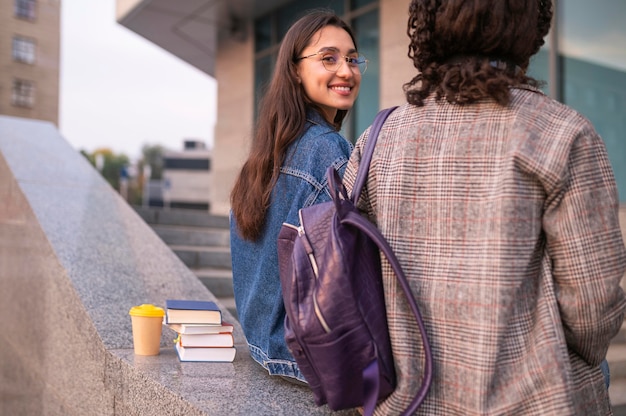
(315, 82)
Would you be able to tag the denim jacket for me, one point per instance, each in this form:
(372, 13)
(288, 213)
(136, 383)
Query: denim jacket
(302, 182)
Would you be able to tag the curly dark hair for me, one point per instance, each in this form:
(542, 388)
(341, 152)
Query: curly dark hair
(467, 50)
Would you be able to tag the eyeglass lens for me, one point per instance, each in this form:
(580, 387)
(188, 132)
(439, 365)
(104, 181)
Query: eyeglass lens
(333, 61)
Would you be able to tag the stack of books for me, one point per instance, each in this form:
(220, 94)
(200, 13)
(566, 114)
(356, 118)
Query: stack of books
(202, 335)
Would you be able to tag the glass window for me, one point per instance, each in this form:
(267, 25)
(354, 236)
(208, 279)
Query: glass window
(288, 14)
(593, 70)
(366, 31)
(263, 33)
(539, 68)
(25, 9)
(23, 93)
(355, 4)
(262, 74)
(23, 49)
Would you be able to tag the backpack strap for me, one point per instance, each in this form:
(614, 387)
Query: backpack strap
(366, 157)
(372, 231)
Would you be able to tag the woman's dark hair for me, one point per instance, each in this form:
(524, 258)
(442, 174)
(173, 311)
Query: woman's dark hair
(281, 119)
(466, 50)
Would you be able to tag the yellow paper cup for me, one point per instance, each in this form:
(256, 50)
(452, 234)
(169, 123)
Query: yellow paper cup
(147, 322)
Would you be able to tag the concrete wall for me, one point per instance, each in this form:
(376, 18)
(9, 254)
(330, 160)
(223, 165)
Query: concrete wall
(396, 68)
(74, 258)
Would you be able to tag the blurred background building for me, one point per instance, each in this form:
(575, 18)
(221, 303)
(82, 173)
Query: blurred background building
(30, 39)
(186, 176)
(236, 41)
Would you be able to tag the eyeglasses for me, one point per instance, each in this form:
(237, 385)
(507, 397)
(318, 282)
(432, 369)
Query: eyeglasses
(332, 61)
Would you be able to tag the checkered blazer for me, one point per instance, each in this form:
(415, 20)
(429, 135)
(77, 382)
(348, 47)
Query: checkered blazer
(505, 221)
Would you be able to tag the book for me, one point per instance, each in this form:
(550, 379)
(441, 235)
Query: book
(207, 340)
(201, 328)
(180, 311)
(215, 354)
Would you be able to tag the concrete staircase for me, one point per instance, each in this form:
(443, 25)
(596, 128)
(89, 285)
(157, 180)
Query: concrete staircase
(202, 242)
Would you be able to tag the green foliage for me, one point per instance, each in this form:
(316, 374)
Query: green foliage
(153, 156)
(111, 164)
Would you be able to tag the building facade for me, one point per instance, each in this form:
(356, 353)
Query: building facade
(30, 39)
(187, 177)
(235, 41)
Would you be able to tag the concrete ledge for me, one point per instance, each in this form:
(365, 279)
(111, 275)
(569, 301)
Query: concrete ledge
(74, 258)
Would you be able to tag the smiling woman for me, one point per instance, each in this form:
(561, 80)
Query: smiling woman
(316, 81)
(363, 16)
(326, 82)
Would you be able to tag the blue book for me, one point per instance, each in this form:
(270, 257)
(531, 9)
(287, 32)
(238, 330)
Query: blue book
(183, 311)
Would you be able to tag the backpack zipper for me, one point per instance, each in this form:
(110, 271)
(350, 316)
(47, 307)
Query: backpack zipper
(309, 250)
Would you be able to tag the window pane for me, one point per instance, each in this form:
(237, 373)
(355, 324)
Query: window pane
(23, 93)
(366, 106)
(262, 75)
(539, 69)
(25, 9)
(263, 33)
(591, 41)
(287, 15)
(360, 3)
(23, 50)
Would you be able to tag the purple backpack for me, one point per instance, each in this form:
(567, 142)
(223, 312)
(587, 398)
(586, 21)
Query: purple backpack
(336, 323)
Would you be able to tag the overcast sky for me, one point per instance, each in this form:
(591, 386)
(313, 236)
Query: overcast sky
(120, 91)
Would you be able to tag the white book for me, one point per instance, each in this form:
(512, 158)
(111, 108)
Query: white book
(218, 354)
(200, 328)
(207, 340)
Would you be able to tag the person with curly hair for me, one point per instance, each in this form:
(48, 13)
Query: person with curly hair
(502, 208)
(316, 80)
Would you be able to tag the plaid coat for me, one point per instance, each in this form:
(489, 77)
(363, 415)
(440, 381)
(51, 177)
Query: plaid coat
(505, 220)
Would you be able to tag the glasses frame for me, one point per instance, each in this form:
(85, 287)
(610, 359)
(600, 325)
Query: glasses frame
(346, 59)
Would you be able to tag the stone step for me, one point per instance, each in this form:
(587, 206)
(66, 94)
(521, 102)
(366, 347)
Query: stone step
(189, 217)
(202, 241)
(196, 257)
(617, 391)
(616, 356)
(619, 410)
(621, 335)
(192, 236)
(218, 281)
